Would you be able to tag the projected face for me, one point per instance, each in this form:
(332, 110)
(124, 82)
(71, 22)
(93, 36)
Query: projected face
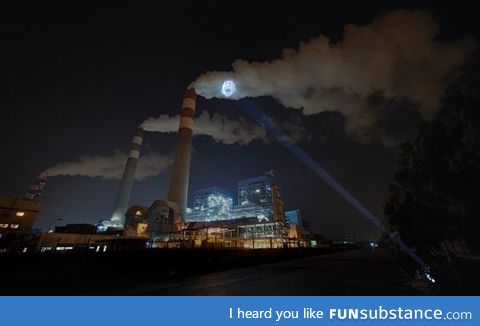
(228, 88)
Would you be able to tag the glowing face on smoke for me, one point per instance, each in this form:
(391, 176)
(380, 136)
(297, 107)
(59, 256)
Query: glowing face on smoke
(228, 88)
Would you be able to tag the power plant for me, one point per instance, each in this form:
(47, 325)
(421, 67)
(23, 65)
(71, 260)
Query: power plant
(258, 219)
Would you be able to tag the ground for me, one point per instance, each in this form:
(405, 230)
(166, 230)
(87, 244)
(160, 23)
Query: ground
(328, 271)
(359, 272)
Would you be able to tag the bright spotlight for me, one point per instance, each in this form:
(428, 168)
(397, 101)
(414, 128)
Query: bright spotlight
(228, 88)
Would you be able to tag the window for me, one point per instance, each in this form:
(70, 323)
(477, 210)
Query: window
(3, 226)
(14, 226)
(20, 214)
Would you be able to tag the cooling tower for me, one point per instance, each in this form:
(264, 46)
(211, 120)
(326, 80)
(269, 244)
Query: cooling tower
(178, 191)
(123, 196)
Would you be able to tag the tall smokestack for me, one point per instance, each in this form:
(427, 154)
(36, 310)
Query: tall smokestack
(123, 196)
(178, 191)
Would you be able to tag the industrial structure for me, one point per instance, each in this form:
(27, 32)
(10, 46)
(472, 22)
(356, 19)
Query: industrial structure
(210, 204)
(18, 214)
(256, 220)
(178, 191)
(124, 191)
(259, 221)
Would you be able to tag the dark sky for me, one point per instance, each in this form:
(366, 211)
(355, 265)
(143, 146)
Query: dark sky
(78, 81)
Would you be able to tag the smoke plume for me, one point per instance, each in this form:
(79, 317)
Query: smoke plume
(220, 128)
(396, 58)
(111, 167)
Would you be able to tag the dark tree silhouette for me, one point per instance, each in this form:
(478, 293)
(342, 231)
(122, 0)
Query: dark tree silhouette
(435, 195)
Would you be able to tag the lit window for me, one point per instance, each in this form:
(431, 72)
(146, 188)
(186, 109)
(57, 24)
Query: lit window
(14, 226)
(20, 214)
(3, 226)
(138, 213)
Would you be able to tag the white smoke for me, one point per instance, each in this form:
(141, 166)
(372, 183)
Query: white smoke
(111, 167)
(220, 128)
(395, 57)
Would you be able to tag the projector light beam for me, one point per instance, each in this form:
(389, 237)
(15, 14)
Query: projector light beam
(253, 111)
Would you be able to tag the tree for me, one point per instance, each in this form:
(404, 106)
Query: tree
(435, 195)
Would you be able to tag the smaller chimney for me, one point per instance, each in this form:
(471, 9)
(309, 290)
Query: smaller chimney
(123, 197)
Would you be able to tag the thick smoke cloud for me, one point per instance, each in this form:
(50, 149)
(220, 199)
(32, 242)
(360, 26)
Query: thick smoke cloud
(395, 58)
(220, 128)
(111, 167)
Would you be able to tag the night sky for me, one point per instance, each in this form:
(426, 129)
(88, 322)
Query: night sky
(78, 81)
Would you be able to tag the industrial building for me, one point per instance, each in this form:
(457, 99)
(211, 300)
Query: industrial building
(257, 191)
(210, 204)
(17, 215)
(256, 220)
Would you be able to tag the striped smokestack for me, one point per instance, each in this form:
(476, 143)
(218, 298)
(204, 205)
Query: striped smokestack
(123, 196)
(178, 191)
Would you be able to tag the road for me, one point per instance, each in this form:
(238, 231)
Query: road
(359, 272)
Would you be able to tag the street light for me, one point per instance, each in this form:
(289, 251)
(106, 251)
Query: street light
(52, 222)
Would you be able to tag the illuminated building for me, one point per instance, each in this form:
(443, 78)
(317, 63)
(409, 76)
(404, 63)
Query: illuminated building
(161, 220)
(256, 191)
(211, 204)
(136, 222)
(250, 210)
(17, 215)
(246, 233)
(293, 217)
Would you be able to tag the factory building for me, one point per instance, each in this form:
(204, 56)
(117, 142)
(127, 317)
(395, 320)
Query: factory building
(66, 242)
(136, 222)
(210, 204)
(257, 191)
(17, 215)
(258, 214)
(163, 221)
(258, 220)
(249, 210)
(258, 197)
(247, 233)
(293, 219)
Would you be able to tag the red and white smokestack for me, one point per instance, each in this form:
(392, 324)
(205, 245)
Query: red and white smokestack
(178, 191)
(126, 185)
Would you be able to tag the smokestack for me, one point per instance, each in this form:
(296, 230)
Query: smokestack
(178, 191)
(123, 196)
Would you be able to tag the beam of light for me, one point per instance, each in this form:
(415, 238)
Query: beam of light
(249, 107)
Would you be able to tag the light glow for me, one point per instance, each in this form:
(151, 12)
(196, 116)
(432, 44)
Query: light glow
(228, 88)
